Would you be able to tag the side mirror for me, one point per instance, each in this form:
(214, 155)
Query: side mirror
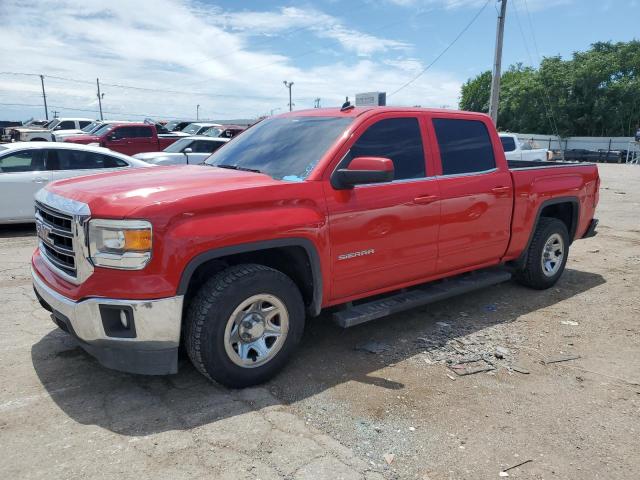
(187, 150)
(58, 128)
(363, 170)
(111, 138)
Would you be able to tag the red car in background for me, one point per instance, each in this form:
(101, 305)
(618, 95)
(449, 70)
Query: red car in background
(127, 138)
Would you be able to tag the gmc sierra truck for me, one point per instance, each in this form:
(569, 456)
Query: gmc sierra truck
(367, 210)
(127, 137)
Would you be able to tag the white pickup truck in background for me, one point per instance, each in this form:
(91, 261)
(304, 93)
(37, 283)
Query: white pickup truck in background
(516, 149)
(45, 134)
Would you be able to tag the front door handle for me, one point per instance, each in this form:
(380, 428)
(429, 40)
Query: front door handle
(40, 180)
(500, 189)
(425, 199)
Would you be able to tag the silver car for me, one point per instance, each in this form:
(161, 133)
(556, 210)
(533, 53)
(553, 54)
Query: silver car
(187, 150)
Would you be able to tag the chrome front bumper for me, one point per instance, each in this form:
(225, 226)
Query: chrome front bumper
(148, 344)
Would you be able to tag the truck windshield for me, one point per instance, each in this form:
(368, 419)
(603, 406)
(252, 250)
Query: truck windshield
(192, 128)
(285, 148)
(213, 132)
(91, 126)
(104, 129)
(179, 145)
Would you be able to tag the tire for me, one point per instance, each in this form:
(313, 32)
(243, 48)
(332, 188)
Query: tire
(210, 330)
(550, 238)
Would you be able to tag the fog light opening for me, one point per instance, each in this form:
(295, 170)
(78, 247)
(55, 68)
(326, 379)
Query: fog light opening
(123, 319)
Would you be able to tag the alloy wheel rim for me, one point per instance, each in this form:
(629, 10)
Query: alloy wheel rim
(256, 330)
(552, 255)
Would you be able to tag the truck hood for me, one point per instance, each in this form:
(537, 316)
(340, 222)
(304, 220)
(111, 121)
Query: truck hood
(29, 129)
(148, 190)
(85, 139)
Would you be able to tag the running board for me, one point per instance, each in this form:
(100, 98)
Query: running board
(418, 296)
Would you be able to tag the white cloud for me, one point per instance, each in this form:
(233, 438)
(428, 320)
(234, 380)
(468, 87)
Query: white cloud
(456, 4)
(320, 24)
(184, 46)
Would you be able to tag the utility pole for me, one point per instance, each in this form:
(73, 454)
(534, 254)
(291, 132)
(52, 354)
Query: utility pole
(55, 113)
(289, 85)
(44, 96)
(494, 100)
(198, 112)
(100, 97)
(316, 103)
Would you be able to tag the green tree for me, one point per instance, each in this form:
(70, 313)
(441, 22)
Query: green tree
(595, 93)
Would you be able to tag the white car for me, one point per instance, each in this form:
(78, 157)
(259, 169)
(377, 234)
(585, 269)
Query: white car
(188, 150)
(22, 134)
(26, 167)
(516, 149)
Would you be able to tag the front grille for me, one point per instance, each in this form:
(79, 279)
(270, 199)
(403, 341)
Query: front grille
(55, 230)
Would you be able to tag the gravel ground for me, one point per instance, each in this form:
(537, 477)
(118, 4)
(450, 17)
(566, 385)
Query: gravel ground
(381, 400)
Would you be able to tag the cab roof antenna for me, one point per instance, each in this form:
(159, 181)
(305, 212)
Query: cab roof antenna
(346, 105)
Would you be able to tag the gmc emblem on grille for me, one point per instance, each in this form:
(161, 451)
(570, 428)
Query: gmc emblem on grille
(44, 232)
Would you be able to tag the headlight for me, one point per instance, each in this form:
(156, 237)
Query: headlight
(123, 244)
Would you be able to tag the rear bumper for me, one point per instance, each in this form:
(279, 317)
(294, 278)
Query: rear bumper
(591, 231)
(135, 336)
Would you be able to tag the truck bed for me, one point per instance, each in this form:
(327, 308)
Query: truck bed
(522, 164)
(537, 183)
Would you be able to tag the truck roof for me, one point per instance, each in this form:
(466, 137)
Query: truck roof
(358, 111)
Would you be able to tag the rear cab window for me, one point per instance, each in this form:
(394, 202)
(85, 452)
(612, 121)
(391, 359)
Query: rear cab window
(465, 146)
(508, 144)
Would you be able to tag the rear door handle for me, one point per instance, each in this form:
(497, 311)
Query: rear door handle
(500, 189)
(425, 199)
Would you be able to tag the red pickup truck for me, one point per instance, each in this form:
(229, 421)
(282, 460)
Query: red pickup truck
(127, 138)
(361, 209)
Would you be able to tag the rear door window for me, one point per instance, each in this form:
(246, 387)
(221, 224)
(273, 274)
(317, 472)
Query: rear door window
(81, 160)
(143, 132)
(465, 146)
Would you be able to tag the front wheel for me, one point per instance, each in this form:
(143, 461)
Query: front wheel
(546, 256)
(243, 325)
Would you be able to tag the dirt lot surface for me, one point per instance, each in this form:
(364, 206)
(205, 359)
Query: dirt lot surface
(341, 412)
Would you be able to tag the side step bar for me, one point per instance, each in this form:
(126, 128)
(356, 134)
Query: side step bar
(418, 296)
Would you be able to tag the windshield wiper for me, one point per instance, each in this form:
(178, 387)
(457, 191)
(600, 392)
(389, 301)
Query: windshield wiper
(236, 167)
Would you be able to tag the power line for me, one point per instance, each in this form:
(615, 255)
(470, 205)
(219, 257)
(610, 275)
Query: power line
(549, 115)
(378, 29)
(135, 87)
(462, 32)
(143, 115)
(535, 44)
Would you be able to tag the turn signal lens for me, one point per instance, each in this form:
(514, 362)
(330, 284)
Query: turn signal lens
(137, 240)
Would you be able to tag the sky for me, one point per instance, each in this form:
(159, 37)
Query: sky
(163, 58)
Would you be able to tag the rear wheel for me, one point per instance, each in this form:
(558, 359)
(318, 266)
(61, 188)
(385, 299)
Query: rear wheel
(546, 256)
(244, 324)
